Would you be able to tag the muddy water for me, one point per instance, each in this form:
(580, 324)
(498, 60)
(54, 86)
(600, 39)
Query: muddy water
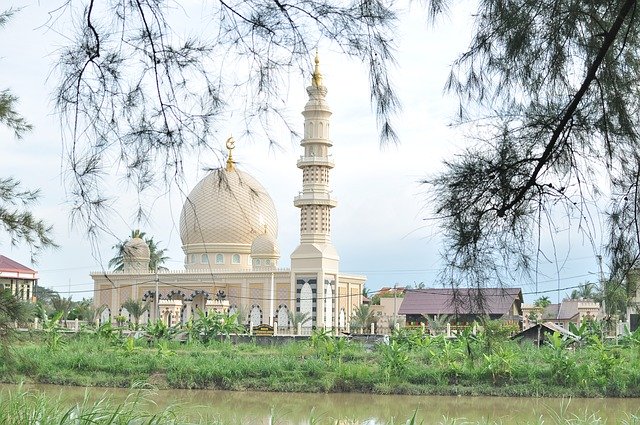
(294, 408)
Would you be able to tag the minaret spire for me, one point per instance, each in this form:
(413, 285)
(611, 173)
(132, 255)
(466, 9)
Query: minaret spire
(231, 144)
(315, 262)
(315, 200)
(316, 78)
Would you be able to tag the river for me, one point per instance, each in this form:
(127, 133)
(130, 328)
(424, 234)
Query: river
(366, 409)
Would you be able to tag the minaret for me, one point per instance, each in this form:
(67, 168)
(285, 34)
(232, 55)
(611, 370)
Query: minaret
(315, 260)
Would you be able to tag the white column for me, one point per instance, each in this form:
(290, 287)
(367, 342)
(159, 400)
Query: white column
(271, 298)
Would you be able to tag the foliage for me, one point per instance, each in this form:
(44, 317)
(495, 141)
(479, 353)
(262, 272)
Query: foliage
(332, 348)
(586, 291)
(11, 310)
(561, 362)
(157, 256)
(494, 332)
(16, 218)
(438, 324)
(62, 305)
(53, 331)
(32, 407)
(362, 318)
(171, 92)
(158, 330)
(540, 93)
(411, 363)
(394, 358)
(298, 318)
(543, 302)
(136, 308)
(206, 327)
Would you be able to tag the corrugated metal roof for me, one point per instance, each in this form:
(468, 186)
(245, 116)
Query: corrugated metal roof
(8, 265)
(460, 301)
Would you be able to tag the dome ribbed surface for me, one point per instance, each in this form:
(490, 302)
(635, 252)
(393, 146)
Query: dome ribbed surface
(265, 245)
(136, 249)
(227, 207)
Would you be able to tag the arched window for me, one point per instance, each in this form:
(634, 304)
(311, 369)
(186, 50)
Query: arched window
(256, 261)
(328, 307)
(255, 316)
(219, 259)
(192, 258)
(283, 316)
(204, 259)
(306, 302)
(235, 259)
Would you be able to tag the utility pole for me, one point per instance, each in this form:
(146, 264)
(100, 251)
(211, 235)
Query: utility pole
(395, 293)
(602, 285)
(157, 312)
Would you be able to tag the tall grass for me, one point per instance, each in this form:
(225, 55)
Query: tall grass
(410, 364)
(22, 407)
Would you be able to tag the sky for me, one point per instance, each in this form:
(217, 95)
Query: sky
(380, 226)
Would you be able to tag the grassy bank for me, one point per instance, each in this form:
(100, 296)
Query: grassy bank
(20, 406)
(410, 364)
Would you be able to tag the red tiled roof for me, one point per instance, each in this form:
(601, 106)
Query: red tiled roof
(460, 301)
(8, 265)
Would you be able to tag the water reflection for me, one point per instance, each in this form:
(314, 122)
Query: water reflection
(295, 408)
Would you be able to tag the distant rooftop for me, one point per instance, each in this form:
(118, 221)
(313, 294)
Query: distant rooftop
(8, 265)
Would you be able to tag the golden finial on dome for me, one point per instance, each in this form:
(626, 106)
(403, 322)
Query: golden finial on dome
(316, 80)
(231, 144)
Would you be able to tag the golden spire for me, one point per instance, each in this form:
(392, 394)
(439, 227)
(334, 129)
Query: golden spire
(316, 80)
(231, 144)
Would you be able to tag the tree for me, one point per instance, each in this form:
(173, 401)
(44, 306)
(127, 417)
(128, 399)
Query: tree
(16, 218)
(362, 317)
(135, 91)
(549, 91)
(298, 318)
(586, 291)
(157, 256)
(62, 305)
(136, 309)
(11, 310)
(542, 302)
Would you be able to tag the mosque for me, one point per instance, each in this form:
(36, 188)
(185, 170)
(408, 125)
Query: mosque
(228, 229)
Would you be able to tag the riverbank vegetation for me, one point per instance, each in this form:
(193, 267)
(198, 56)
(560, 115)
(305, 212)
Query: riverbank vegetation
(143, 406)
(409, 363)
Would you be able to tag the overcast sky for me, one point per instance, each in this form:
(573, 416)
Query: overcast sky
(379, 225)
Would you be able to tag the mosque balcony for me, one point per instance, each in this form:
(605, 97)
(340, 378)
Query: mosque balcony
(306, 161)
(314, 198)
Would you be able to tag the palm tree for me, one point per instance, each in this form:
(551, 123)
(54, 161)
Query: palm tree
(362, 317)
(365, 292)
(157, 256)
(11, 310)
(298, 318)
(135, 308)
(62, 305)
(543, 302)
(586, 291)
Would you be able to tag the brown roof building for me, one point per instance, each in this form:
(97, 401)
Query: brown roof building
(19, 279)
(568, 311)
(463, 305)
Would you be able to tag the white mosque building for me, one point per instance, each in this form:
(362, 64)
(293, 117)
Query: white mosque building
(229, 228)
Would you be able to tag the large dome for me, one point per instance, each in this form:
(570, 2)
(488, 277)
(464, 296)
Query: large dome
(226, 210)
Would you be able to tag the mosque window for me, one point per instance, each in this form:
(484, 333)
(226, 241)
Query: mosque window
(257, 261)
(267, 262)
(204, 259)
(219, 259)
(193, 258)
(235, 259)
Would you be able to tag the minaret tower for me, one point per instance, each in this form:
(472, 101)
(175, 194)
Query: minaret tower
(315, 260)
